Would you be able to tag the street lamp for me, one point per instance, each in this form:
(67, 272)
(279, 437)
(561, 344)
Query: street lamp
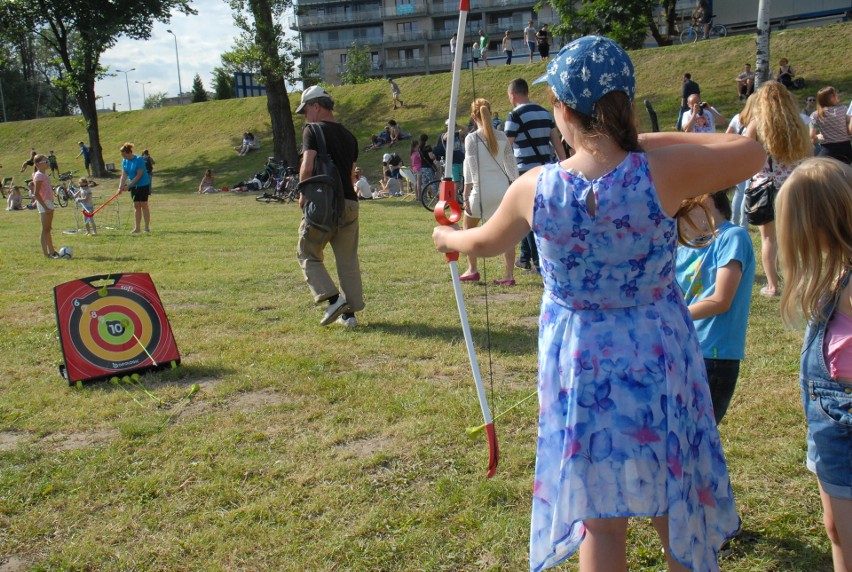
(103, 101)
(127, 82)
(142, 83)
(177, 59)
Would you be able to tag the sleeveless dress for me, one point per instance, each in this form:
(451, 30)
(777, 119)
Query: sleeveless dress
(626, 424)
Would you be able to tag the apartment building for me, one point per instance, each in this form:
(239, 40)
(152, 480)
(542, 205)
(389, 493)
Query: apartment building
(405, 37)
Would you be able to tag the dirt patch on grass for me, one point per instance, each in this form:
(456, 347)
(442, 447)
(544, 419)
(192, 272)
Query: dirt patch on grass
(257, 399)
(10, 440)
(13, 563)
(367, 447)
(79, 440)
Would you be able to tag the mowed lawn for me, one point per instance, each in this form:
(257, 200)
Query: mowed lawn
(311, 448)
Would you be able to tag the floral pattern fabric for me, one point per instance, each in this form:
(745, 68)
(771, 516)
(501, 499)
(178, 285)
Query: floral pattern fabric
(626, 424)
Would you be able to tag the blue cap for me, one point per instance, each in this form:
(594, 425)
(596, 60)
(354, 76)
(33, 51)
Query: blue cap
(586, 70)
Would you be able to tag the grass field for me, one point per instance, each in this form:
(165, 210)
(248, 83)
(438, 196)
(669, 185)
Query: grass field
(310, 448)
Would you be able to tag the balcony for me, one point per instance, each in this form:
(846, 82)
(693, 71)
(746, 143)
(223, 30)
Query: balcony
(315, 45)
(448, 7)
(415, 36)
(407, 10)
(508, 4)
(406, 65)
(334, 19)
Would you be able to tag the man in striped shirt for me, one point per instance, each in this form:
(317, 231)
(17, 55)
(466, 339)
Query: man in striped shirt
(534, 137)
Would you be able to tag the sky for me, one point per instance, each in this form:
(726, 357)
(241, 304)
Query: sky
(201, 39)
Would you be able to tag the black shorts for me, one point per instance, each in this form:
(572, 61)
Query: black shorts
(140, 193)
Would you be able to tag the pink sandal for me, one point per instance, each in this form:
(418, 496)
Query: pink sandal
(470, 277)
(504, 282)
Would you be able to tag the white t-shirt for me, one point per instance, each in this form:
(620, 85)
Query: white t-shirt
(362, 188)
(687, 115)
(529, 34)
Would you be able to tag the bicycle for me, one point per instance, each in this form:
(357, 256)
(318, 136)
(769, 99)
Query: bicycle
(696, 30)
(65, 190)
(430, 193)
(286, 188)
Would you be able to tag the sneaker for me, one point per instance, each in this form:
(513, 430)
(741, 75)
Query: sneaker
(350, 322)
(524, 265)
(335, 310)
(531, 271)
(134, 232)
(54, 255)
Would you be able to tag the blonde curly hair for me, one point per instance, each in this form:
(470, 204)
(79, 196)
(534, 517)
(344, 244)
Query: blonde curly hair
(780, 128)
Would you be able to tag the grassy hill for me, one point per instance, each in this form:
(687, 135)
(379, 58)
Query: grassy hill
(186, 140)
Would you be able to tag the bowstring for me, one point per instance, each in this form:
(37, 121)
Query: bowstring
(484, 260)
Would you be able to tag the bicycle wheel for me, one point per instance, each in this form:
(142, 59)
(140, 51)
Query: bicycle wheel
(429, 195)
(61, 196)
(718, 31)
(688, 36)
(266, 198)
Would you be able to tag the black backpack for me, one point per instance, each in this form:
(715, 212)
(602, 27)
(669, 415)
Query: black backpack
(324, 200)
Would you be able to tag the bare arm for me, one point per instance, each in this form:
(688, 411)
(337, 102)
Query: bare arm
(727, 281)
(306, 170)
(673, 158)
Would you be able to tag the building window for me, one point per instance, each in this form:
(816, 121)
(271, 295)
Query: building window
(403, 27)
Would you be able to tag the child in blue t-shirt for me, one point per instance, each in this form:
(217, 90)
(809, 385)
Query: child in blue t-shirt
(716, 281)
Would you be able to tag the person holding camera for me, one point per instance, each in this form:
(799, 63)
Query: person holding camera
(701, 117)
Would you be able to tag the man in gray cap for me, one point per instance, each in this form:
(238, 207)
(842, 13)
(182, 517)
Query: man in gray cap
(342, 147)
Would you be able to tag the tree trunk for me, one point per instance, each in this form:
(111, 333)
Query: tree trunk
(283, 131)
(762, 56)
(88, 107)
(277, 102)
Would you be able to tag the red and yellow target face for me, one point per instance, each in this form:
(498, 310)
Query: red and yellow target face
(121, 327)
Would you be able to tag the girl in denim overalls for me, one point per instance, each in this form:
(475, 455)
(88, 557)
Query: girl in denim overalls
(814, 214)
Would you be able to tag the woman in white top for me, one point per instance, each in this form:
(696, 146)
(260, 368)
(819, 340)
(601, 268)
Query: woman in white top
(489, 169)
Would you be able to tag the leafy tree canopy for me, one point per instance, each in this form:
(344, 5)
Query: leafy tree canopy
(625, 21)
(357, 65)
(198, 93)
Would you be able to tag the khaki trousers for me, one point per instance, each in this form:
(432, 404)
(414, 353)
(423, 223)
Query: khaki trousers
(344, 245)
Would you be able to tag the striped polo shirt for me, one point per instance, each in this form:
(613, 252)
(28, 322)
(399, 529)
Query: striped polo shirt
(533, 120)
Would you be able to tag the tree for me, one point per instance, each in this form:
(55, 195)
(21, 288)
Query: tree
(198, 93)
(79, 31)
(762, 40)
(272, 52)
(357, 65)
(669, 9)
(155, 100)
(625, 21)
(31, 75)
(223, 84)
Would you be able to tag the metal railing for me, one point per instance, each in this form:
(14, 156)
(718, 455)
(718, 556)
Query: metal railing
(404, 37)
(324, 20)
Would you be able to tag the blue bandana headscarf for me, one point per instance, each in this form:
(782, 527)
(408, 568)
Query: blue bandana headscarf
(587, 69)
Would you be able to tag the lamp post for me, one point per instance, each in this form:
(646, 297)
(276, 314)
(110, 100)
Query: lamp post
(103, 101)
(142, 83)
(127, 82)
(177, 59)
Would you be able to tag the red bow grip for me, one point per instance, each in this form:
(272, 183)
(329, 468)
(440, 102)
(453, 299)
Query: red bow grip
(447, 210)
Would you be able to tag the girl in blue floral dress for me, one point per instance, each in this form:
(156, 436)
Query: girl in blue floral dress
(626, 423)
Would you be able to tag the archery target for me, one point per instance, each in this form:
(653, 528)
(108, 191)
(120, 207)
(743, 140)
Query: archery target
(112, 324)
